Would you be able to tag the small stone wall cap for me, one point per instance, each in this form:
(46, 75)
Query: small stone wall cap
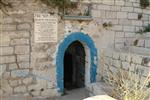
(100, 97)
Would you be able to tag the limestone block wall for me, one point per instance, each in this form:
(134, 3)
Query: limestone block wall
(126, 17)
(121, 60)
(29, 68)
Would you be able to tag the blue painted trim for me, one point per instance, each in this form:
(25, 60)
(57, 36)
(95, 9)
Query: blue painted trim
(60, 55)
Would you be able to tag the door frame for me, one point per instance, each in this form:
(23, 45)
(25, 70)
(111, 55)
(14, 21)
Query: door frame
(91, 56)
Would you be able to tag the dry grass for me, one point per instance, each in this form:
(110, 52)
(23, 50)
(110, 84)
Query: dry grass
(128, 85)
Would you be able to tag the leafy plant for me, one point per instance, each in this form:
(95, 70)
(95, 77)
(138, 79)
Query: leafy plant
(144, 3)
(146, 29)
(106, 25)
(61, 4)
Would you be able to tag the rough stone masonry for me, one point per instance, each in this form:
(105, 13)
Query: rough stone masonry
(29, 68)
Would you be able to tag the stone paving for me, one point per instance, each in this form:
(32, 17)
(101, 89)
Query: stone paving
(77, 94)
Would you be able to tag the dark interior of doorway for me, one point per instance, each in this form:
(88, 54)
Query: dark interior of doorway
(74, 66)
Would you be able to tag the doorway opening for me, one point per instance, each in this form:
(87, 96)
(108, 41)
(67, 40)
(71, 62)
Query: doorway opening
(74, 66)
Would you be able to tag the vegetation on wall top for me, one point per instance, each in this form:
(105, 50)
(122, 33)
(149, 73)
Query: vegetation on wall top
(61, 4)
(144, 3)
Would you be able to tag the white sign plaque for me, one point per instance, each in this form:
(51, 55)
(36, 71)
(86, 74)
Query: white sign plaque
(45, 27)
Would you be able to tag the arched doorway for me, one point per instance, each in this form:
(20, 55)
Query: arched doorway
(74, 66)
(90, 57)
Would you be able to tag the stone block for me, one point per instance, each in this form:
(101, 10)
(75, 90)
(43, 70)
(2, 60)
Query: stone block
(23, 58)
(22, 49)
(132, 16)
(20, 73)
(117, 28)
(24, 26)
(119, 40)
(104, 7)
(137, 23)
(24, 65)
(13, 83)
(129, 4)
(6, 50)
(108, 2)
(129, 28)
(5, 40)
(35, 93)
(128, 57)
(27, 80)
(2, 69)
(119, 45)
(119, 34)
(122, 15)
(141, 43)
(6, 75)
(21, 41)
(117, 63)
(95, 13)
(19, 34)
(123, 56)
(7, 20)
(111, 14)
(127, 9)
(116, 55)
(119, 2)
(20, 89)
(49, 93)
(6, 87)
(13, 66)
(7, 59)
(109, 53)
(125, 65)
(147, 43)
(129, 34)
(137, 59)
(138, 10)
(125, 22)
(8, 27)
(115, 8)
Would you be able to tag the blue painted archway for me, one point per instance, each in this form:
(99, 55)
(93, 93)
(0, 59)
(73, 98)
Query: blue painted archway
(60, 56)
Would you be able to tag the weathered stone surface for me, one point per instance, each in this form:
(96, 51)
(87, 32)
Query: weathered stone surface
(22, 50)
(21, 41)
(20, 89)
(28, 80)
(24, 65)
(137, 59)
(2, 69)
(6, 50)
(49, 93)
(20, 73)
(147, 43)
(8, 27)
(132, 16)
(13, 66)
(122, 15)
(5, 40)
(13, 83)
(23, 58)
(116, 55)
(7, 59)
(24, 26)
(6, 87)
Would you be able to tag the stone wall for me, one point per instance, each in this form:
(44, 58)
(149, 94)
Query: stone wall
(29, 68)
(125, 19)
(122, 60)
